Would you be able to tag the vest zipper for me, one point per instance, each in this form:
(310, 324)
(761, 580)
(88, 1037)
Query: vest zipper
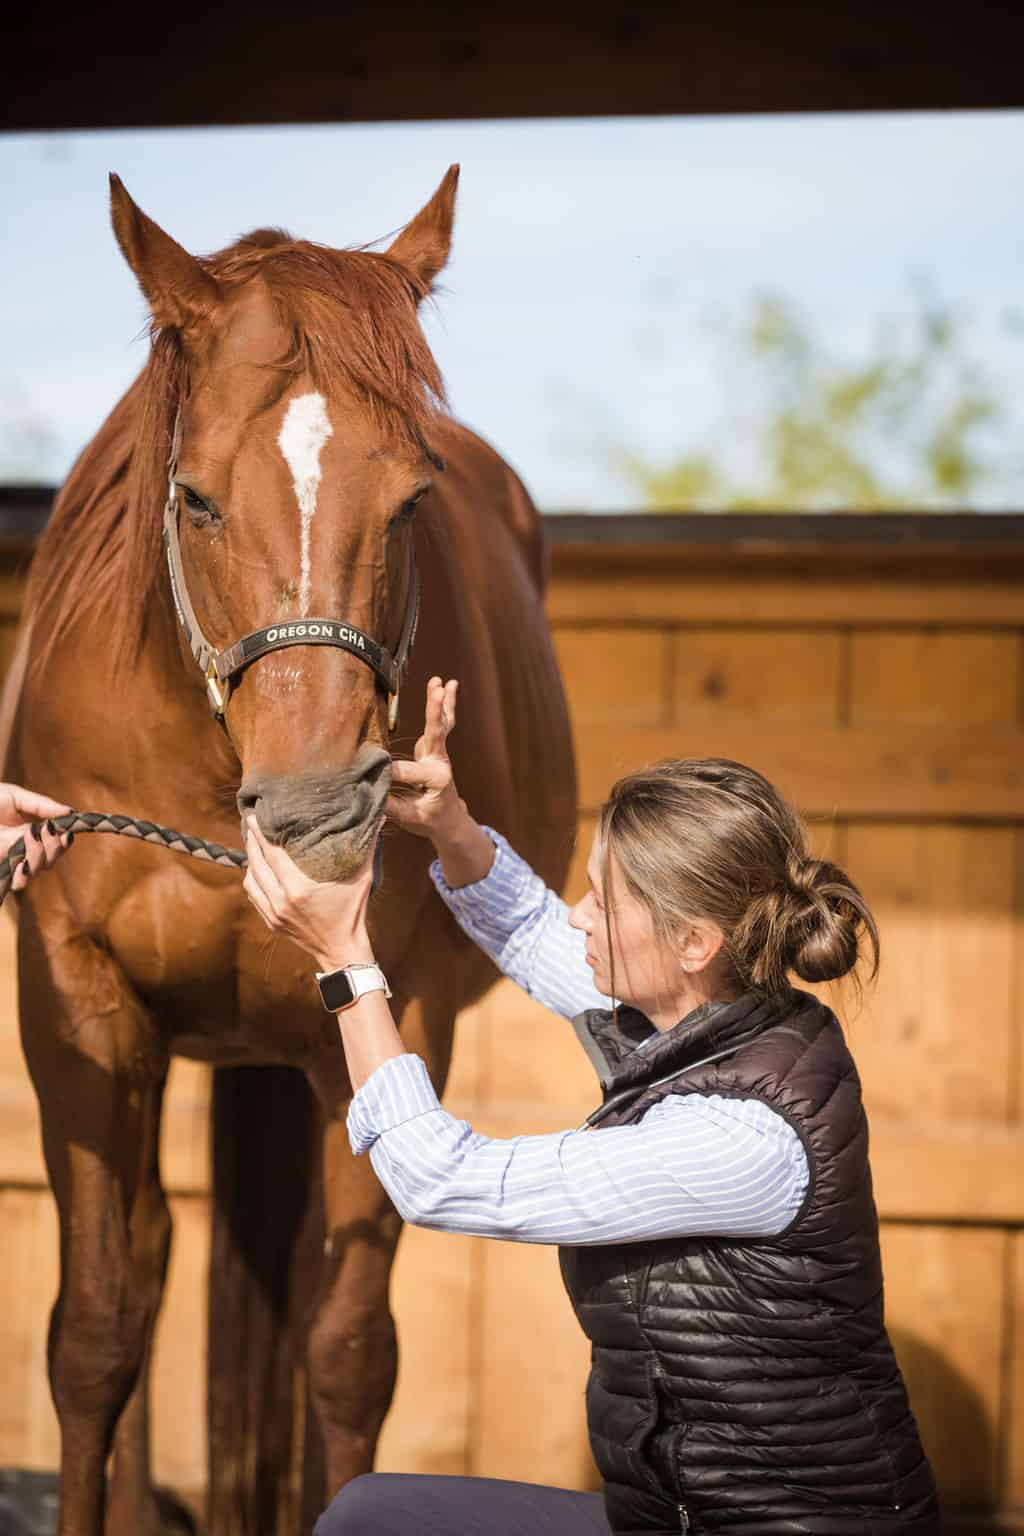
(684, 1518)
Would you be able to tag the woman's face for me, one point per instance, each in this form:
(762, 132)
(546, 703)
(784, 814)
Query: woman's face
(648, 970)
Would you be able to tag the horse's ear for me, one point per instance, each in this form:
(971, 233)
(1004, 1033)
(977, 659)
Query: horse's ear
(423, 245)
(179, 292)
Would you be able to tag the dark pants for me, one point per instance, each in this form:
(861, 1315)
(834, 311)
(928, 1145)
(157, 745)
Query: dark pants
(404, 1504)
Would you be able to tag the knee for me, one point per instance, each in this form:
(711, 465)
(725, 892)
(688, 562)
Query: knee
(352, 1359)
(355, 1511)
(97, 1343)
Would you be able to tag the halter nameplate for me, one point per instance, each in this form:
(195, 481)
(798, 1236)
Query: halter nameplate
(276, 637)
(220, 667)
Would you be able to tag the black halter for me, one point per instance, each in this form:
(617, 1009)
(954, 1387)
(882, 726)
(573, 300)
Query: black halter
(221, 667)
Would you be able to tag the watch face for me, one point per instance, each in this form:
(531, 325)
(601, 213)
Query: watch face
(335, 990)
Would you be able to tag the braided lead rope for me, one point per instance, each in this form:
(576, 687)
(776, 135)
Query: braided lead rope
(127, 826)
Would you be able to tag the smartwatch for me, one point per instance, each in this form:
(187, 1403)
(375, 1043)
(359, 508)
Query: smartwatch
(340, 989)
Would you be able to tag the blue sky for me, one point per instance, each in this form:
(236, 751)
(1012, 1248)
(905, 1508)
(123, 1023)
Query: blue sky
(590, 259)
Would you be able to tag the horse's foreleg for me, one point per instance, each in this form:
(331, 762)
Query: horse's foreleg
(131, 1504)
(92, 1056)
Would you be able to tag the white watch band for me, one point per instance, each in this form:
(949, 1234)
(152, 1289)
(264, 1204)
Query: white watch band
(366, 978)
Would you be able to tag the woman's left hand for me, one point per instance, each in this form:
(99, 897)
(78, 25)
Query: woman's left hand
(326, 918)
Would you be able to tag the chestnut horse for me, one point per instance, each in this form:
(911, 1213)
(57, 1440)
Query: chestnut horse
(313, 456)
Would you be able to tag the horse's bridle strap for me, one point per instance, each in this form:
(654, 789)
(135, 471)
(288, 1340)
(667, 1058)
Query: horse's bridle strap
(316, 631)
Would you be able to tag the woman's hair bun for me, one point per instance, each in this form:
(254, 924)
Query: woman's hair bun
(824, 915)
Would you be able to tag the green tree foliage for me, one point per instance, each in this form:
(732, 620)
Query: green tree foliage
(918, 424)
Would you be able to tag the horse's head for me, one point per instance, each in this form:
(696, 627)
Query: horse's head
(305, 395)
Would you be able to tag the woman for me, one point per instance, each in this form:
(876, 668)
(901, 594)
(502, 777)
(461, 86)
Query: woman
(718, 1236)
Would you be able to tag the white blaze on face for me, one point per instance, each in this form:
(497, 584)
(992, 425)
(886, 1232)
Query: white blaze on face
(303, 434)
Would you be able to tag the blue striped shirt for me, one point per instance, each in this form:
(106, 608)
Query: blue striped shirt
(694, 1164)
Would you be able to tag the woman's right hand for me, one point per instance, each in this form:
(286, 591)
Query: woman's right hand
(423, 799)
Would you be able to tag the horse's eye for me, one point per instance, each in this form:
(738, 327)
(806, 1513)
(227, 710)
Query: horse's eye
(409, 506)
(198, 508)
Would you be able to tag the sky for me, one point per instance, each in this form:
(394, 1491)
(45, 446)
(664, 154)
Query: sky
(593, 266)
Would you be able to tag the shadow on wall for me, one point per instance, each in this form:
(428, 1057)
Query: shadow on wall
(958, 1436)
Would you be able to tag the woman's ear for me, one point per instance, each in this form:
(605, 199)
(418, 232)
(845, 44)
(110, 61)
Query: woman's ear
(698, 946)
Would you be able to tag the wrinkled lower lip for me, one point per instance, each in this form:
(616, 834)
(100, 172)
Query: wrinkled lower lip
(357, 838)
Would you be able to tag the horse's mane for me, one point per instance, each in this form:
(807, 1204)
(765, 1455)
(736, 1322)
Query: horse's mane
(352, 317)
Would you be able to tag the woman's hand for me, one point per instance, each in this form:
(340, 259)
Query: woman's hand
(20, 810)
(426, 800)
(325, 918)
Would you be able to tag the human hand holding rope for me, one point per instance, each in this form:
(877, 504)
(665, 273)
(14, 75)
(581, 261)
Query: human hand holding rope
(27, 818)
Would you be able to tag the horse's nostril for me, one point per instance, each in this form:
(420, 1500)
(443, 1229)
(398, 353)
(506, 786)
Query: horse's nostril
(375, 768)
(247, 800)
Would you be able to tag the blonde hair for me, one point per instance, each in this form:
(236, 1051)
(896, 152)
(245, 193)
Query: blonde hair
(706, 838)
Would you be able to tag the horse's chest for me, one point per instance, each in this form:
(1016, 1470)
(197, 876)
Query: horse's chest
(221, 986)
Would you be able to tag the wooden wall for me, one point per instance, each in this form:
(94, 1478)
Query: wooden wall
(882, 689)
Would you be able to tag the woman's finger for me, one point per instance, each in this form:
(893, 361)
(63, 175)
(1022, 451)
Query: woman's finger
(407, 774)
(451, 689)
(52, 845)
(32, 807)
(440, 716)
(432, 739)
(289, 876)
(252, 889)
(427, 773)
(262, 872)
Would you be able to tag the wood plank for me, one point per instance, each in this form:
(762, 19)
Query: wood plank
(434, 1297)
(948, 1170)
(531, 1058)
(533, 1363)
(21, 1152)
(179, 1360)
(967, 677)
(663, 593)
(975, 773)
(935, 1037)
(945, 1294)
(615, 675)
(185, 1128)
(792, 675)
(28, 1289)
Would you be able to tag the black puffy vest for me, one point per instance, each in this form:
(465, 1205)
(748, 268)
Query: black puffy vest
(747, 1385)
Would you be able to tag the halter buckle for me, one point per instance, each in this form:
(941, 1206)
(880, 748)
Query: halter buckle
(217, 692)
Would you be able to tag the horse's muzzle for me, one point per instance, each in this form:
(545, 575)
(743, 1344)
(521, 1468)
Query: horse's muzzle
(325, 821)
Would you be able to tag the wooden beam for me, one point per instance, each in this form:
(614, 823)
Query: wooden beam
(361, 61)
(681, 592)
(893, 772)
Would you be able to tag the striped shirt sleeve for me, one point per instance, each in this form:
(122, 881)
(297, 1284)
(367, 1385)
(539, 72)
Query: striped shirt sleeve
(692, 1165)
(524, 927)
